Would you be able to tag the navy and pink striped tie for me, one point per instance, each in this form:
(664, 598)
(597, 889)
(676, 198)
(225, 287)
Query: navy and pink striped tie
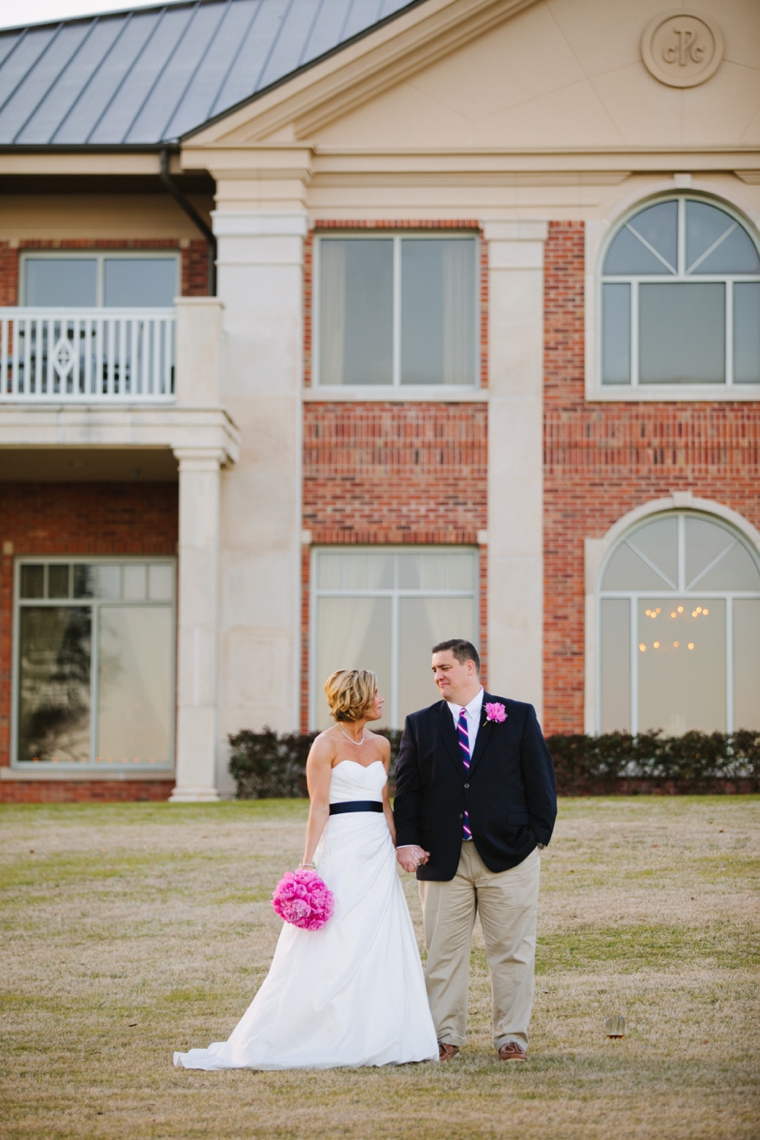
(464, 747)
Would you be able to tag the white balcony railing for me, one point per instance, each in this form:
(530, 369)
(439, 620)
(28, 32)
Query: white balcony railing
(87, 355)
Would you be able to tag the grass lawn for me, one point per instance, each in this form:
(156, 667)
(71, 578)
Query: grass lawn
(129, 931)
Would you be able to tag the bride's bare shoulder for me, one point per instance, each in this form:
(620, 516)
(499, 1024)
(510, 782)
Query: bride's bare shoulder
(381, 741)
(323, 745)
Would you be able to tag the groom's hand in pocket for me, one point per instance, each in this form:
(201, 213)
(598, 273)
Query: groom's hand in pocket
(412, 857)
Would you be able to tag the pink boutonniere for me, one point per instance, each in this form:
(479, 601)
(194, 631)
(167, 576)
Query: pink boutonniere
(496, 711)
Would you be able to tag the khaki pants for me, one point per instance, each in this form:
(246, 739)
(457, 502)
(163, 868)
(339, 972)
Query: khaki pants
(507, 902)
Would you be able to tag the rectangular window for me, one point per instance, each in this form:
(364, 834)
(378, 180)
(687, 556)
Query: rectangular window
(94, 663)
(384, 610)
(747, 332)
(616, 659)
(96, 280)
(397, 311)
(616, 334)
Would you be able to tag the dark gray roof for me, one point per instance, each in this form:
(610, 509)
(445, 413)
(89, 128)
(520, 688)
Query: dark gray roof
(150, 75)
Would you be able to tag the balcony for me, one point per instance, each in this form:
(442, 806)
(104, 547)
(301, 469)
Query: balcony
(91, 356)
(115, 378)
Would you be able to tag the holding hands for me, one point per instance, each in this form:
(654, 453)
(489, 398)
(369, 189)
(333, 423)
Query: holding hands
(412, 857)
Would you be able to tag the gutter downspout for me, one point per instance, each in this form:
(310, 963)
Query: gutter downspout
(171, 188)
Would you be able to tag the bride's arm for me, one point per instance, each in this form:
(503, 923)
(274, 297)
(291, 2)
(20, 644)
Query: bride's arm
(318, 770)
(385, 749)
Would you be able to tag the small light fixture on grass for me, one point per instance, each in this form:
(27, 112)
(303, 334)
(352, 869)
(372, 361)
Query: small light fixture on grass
(615, 1027)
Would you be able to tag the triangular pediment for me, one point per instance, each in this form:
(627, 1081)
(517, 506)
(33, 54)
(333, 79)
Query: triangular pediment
(500, 74)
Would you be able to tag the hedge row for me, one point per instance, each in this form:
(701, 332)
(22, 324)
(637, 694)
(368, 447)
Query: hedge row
(265, 764)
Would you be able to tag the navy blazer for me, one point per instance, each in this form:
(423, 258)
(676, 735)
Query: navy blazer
(509, 791)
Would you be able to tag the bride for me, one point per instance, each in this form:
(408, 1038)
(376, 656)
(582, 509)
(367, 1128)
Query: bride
(353, 992)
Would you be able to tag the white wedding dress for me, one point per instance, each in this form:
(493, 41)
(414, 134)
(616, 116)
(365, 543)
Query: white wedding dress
(352, 993)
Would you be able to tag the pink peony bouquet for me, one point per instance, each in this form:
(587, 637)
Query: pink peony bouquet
(302, 899)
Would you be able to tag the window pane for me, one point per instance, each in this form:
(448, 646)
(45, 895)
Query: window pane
(33, 581)
(54, 684)
(381, 571)
(352, 633)
(706, 225)
(682, 333)
(434, 571)
(134, 581)
(616, 665)
(84, 581)
(160, 581)
(409, 572)
(682, 665)
(149, 282)
(658, 541)
(109, 581)
(58, 580)
(616, 334)
(657, 225)
(328, 572)
(461, 571)
(356, 311)
(438, 311)
(747, 332)
(626, 570)
(423, 622)
(355, 571)
(134, 697)
(706, 542)
(747, 663)
(61, 281)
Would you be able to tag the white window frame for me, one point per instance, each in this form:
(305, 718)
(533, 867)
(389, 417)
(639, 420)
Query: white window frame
(94, 603)
(680, 511)
(395, 593)
(599, 237)
(396, 390)
(99, 255)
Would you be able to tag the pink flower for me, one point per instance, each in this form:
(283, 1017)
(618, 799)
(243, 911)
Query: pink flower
(302, 899)
(496, 711)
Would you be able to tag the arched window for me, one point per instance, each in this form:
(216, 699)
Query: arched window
(681, 298)
(680, 629)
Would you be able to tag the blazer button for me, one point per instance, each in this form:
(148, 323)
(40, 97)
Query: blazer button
(461, 817)
(467, 785)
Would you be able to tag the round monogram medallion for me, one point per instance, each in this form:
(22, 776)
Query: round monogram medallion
(682, 48)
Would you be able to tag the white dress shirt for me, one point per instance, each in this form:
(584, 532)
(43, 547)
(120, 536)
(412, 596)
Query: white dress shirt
(473, 711)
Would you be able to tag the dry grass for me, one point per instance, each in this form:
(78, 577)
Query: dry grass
(132, 930)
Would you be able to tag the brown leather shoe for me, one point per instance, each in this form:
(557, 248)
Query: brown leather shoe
(513, 1051)
(446, 1051)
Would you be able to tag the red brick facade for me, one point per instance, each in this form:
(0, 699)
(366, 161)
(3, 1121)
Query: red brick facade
(602, 460)
(390, 474)
(77, 518)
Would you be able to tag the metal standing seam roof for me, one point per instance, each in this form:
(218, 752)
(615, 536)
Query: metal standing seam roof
(147, 76)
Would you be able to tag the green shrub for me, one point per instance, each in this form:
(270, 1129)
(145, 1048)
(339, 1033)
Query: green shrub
(265, 765)
(692, 763)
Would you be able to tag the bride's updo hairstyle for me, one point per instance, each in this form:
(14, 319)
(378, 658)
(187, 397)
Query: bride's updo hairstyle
(350, 693)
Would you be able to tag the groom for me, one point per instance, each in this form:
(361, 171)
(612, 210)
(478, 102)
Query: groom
(475, 801)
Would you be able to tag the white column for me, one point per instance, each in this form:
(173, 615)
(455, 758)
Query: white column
(197, 624)
(260, 282)
(515, 459)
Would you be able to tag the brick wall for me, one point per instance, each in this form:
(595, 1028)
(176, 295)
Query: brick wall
(602, 460)
(395, 474)
(77, 518)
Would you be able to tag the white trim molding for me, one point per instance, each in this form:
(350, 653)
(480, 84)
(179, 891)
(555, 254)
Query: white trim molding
(596, 551)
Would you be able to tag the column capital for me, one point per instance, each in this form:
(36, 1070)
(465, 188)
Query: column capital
(200, 458)
(260, 223)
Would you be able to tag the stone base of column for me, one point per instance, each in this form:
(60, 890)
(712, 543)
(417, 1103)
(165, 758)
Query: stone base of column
(190, 794)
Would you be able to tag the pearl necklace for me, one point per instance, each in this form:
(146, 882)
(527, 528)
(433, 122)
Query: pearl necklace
(358, 743)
